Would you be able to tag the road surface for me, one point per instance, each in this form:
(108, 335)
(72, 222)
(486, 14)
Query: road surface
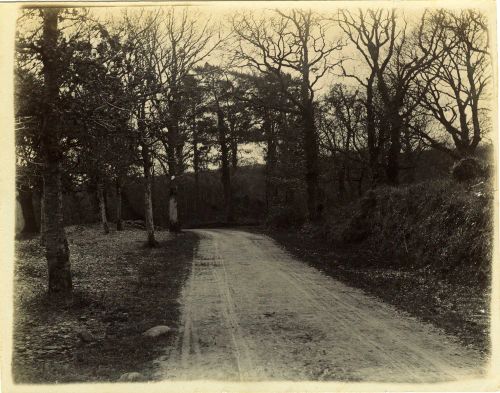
(252, 312)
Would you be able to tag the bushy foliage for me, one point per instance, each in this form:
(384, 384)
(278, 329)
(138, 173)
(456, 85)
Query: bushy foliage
(438, 226)
(357, 228)
(468, 169)
(285, 217)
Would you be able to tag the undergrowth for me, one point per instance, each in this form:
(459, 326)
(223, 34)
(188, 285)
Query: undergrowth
(121, 289)
(441, 227)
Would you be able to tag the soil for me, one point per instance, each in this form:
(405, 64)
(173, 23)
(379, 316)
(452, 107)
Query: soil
(251, 311)
(459, 309)
(122, 289)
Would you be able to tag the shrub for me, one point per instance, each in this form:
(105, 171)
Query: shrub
(285, 217)
(441, 227)
(468, 169)
(358, 226)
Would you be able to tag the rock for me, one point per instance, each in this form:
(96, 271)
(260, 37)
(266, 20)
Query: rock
(135, 224)
(131, 377)
(85, 335)
(156, 331)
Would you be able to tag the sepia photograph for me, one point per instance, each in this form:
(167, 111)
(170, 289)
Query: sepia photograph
(249, 196)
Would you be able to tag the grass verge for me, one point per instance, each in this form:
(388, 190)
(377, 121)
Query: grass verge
(458, 309)
(121, 290)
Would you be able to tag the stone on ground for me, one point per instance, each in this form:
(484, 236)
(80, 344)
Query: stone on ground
(131, 377)
(156, 331)
(85, 335)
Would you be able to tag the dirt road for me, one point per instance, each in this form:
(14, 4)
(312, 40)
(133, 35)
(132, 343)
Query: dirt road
(253, 312)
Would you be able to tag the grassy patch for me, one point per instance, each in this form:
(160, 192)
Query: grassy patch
(121, 290)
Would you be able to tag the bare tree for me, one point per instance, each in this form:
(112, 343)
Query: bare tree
(460, 79)
(395, 57)
(342, 125)
(141, 87)
(177, 44)
(220, 87)
(296, 42)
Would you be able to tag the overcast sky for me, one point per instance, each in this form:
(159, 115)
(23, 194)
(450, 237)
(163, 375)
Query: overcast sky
(221, 13)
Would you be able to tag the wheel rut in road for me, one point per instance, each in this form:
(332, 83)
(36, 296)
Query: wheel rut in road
(252, 312)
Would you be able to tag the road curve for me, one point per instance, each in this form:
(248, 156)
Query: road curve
(251, 312)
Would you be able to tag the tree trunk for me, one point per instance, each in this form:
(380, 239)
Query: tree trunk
(311, 149)
(373, 146)
(172, 153)
(153, 178)
(341, 181)
(392, 168)
(119, 221)
(360, 183)
(234, 153)
(56, 244)
(102, 207)
(312, 167)
(172, 210)
(43, 226)
(474, 107)
(106, 204)
(409, 155)
(148, 196)
(225, 171)
(392, 106)
(270, 160)
(25, 198)
(196, 169)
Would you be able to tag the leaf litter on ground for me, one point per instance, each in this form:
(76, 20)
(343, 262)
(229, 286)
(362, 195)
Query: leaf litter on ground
(121, 289)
